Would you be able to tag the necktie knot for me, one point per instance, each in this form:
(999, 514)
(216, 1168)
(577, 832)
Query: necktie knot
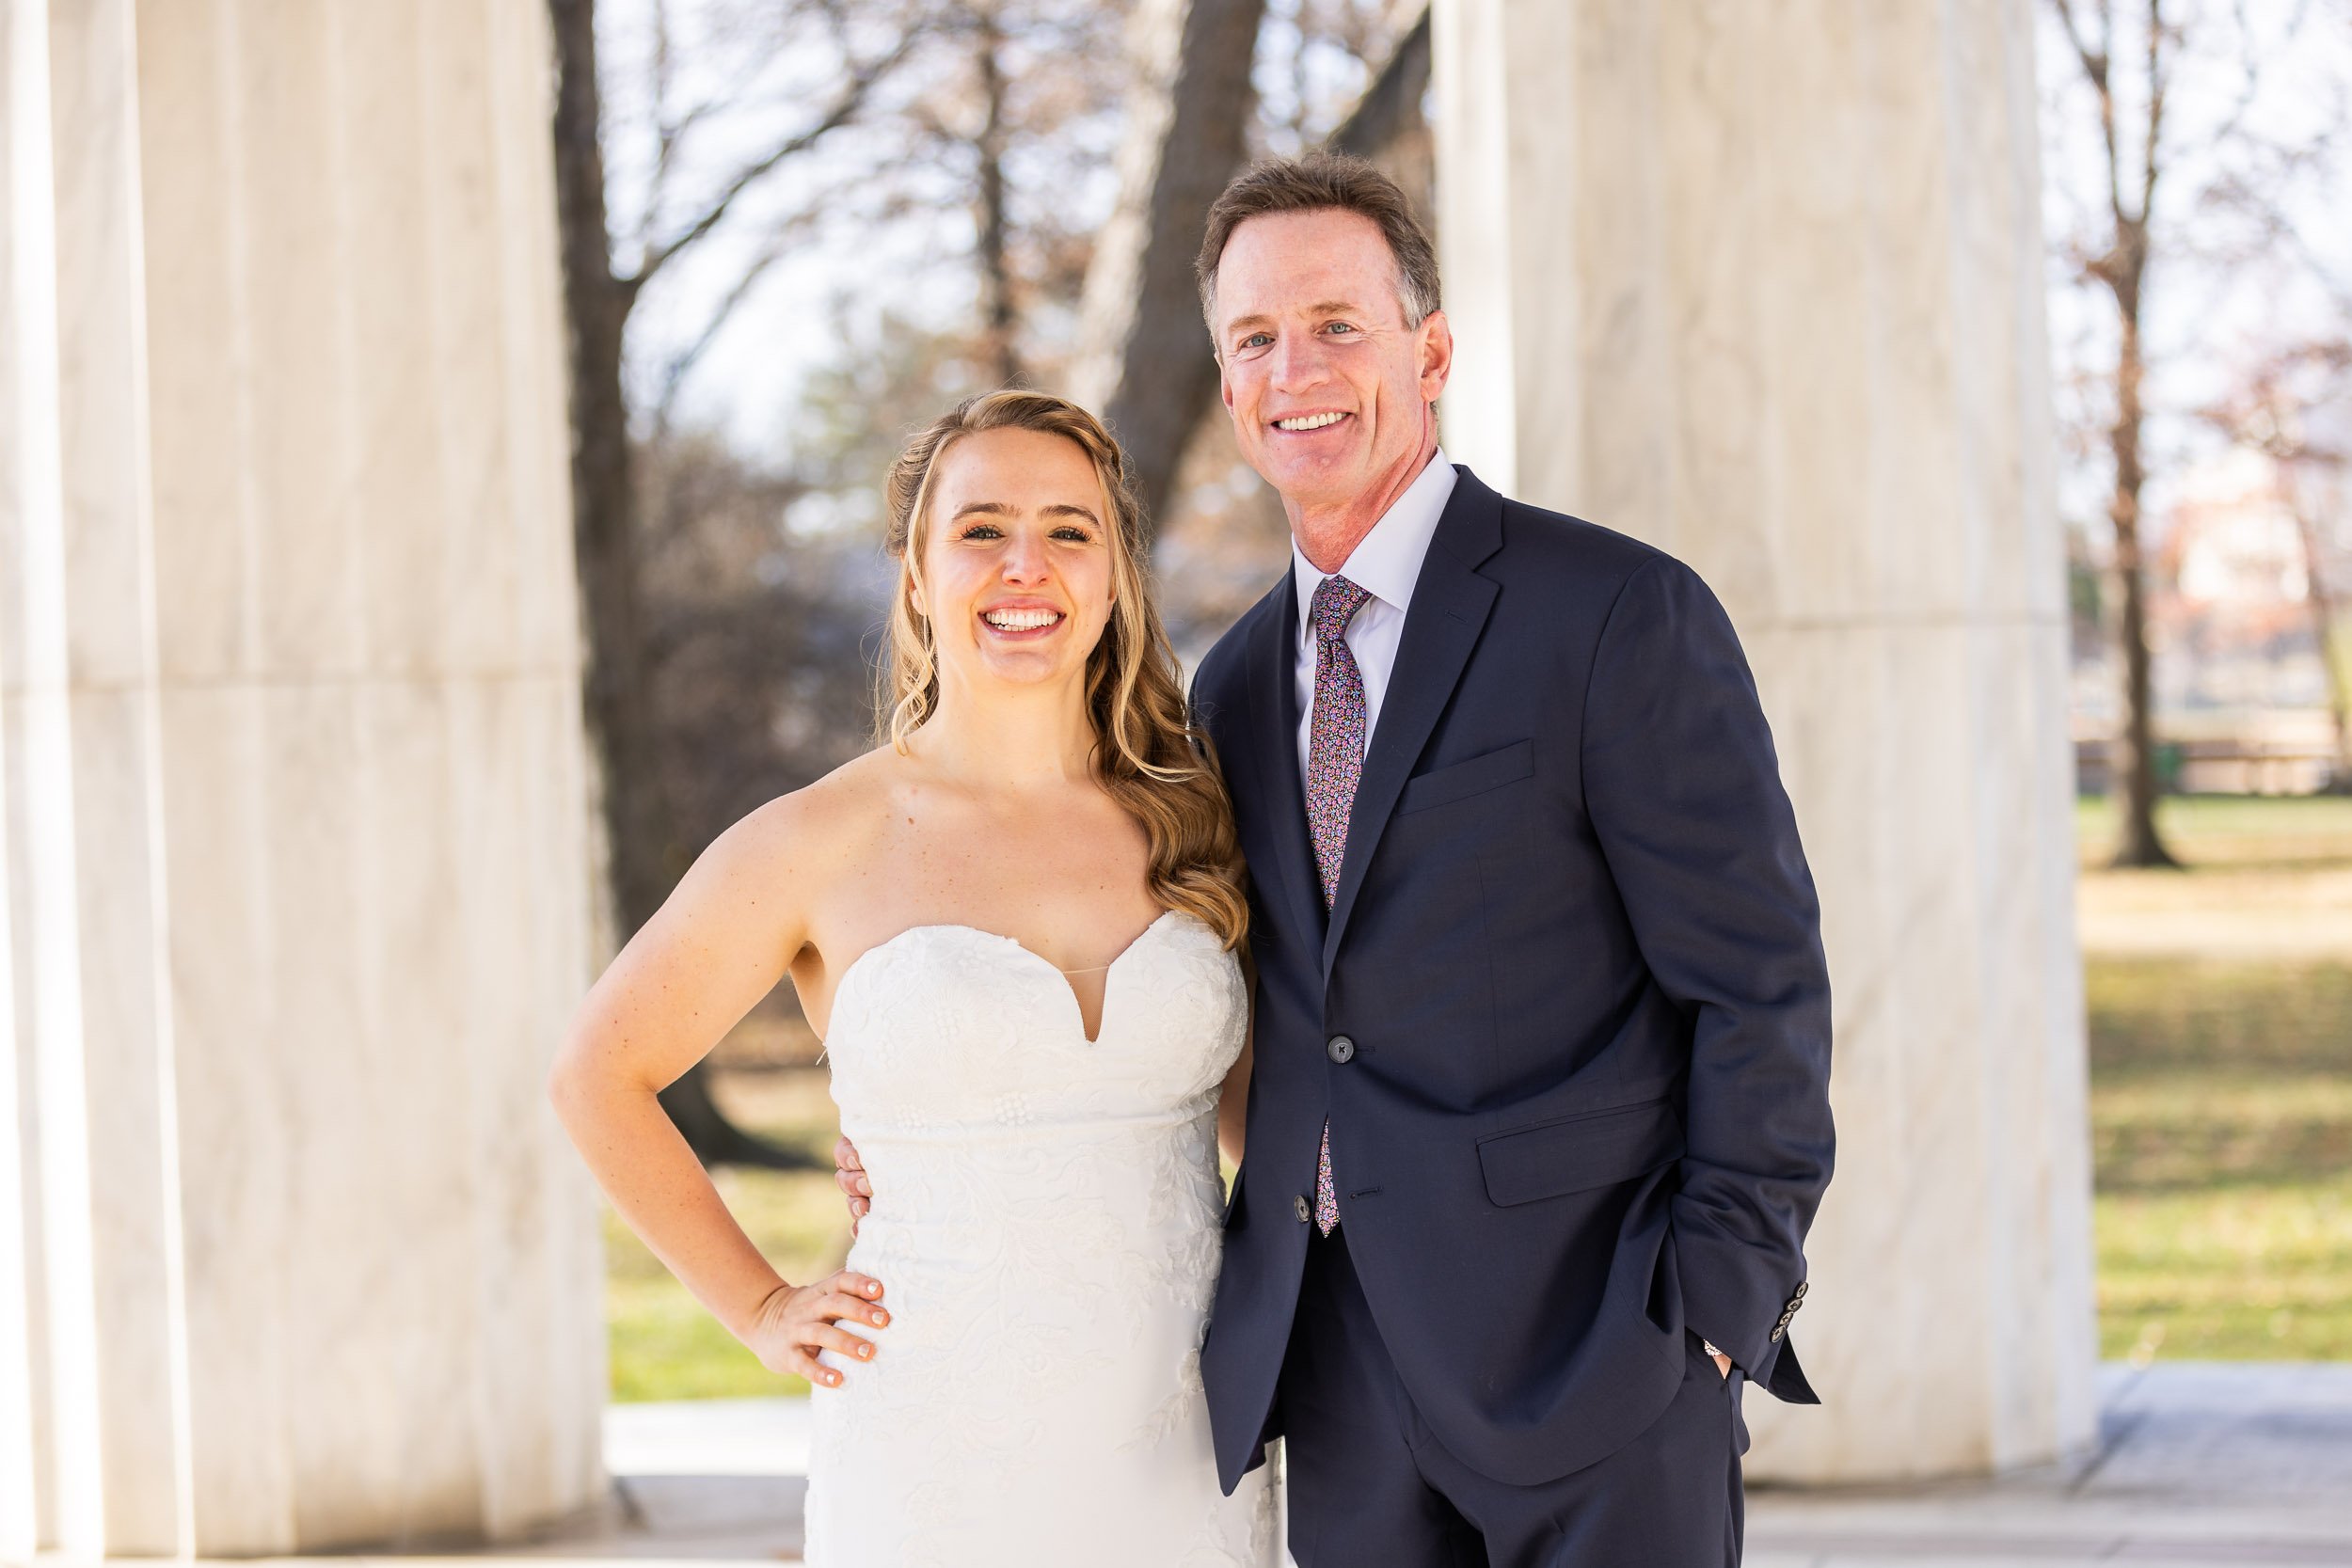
(1336, 602)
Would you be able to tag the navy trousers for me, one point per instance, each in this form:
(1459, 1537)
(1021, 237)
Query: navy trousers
(1369, 1487)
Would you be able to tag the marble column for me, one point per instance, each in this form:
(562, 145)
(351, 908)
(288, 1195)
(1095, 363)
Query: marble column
(293, 1254)
(1763, 285)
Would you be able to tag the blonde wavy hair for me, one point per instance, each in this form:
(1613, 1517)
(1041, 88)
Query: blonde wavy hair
(1148, 756)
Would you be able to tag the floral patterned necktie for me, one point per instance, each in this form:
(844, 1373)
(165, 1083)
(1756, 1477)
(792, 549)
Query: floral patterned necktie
(1335, 760)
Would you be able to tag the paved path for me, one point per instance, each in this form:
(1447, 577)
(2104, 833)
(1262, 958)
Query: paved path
(2200, 1466)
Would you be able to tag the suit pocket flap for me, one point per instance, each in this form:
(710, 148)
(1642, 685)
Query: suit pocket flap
(1599, 1148)
(1460, 780)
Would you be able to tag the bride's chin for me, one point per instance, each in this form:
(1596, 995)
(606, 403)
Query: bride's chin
(1025, 668)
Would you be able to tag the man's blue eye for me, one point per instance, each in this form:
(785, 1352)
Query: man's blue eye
(1255, 338)
(1342, 326)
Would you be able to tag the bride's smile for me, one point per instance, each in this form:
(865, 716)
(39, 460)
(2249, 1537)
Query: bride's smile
(1018, 561)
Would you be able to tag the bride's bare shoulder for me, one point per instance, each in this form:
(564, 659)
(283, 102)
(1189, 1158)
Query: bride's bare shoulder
(803, 836)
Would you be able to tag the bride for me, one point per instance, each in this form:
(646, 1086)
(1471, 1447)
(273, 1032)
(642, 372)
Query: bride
(1016, 925)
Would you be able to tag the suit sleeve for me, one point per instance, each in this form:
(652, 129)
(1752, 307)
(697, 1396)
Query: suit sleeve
(1683, 789)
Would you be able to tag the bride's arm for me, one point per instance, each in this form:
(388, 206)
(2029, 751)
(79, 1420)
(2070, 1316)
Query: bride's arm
(717, 945)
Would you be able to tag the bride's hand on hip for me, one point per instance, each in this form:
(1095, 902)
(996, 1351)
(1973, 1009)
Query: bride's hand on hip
(798, 1320)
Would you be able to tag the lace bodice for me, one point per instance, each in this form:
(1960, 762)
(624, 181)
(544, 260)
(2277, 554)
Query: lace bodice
(951, 1025)
(1045, 1225)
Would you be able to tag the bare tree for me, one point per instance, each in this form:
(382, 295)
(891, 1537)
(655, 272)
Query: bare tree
(1146, 359)
(1016, 78)
(2194, 170)
(2271, 412)
(643, 841)
(2121, 264)
(998, 320)
(1148, 368)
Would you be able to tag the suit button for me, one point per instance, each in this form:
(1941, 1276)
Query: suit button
(1801, 1289)
(1340, 1048)
(1305, 1212)
(1778, 1332)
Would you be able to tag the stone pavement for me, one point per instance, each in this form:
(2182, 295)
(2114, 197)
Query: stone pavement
(2200, 1466)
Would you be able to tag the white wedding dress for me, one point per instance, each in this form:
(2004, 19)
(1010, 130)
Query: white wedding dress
(1045, 1225)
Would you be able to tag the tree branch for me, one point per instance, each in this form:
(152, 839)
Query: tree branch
(1392, 102)
(844, 109)
(2149, 161)
(674, 375)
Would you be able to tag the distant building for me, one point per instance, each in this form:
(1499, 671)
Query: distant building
(2241, 680)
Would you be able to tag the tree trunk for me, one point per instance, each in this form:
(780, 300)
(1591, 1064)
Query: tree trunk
(1147, 362)
(641, 840)
(1149, 366)
(2136, 783)
(998, 324)
(2322, 605)
(1387, 118)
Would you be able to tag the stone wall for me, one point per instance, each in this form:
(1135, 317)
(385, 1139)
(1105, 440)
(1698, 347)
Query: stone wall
(1764, 285)
(292, 1253)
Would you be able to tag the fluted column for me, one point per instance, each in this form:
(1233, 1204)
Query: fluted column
(1763, 285)
(293, 1255)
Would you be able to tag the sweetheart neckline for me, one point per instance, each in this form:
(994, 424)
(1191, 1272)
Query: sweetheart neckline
(1101, 1025)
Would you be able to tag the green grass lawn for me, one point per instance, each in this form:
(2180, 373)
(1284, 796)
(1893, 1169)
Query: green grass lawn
(2222, 1087)
(2220, 1107)
(2207, 829)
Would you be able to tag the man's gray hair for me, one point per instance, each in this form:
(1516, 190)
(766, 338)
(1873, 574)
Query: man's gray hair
(1324, 182)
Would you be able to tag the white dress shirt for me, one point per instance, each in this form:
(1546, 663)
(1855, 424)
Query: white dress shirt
(1384, 563)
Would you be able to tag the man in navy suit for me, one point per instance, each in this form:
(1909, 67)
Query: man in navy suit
(1539, 1111)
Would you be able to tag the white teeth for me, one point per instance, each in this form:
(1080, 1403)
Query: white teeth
(1311, 422)
(1021, 620)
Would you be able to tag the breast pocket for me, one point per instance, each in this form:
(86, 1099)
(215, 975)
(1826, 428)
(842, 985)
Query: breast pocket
(1459, 780)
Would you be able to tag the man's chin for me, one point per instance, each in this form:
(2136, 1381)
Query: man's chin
(1313, 486)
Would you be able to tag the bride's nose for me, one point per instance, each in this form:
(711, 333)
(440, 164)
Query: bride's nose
(1027, 561)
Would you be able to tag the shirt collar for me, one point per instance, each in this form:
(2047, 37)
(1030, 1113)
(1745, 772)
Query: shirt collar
(1386, 563)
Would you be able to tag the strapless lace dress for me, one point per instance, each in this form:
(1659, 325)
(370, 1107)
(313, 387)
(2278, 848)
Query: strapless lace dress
(1045, 1225)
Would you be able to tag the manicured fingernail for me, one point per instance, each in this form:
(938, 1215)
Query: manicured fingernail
(882, 1317)
(866, 1350)
(864, 1186)
(873, 1289)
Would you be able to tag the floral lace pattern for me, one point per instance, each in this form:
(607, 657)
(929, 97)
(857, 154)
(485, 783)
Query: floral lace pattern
(1045, 1225)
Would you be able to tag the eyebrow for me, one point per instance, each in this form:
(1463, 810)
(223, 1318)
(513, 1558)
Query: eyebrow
(1320, 308)
(998, 508)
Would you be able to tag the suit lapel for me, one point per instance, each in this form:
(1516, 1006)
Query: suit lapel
(1271, 678)
(1449, 606)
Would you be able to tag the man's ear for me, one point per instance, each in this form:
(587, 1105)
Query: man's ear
(1434, 353)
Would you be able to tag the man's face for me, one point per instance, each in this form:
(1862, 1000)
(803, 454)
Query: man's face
(1330, 390)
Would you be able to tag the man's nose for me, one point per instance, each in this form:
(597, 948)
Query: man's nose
(1298, 362)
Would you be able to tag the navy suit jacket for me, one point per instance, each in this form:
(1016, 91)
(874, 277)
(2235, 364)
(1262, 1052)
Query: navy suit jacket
(1575, 958)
